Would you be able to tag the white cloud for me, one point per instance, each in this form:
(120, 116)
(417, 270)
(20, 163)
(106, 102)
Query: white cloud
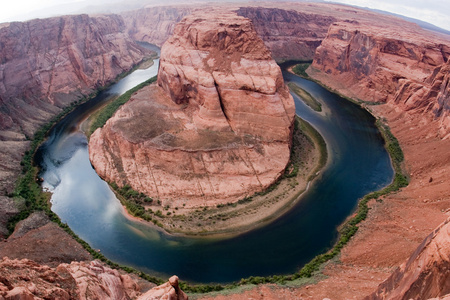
(436, 12)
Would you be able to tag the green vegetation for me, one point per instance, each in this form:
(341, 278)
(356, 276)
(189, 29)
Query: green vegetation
(134, 201)
(300, 69)
(306, 97)
(106, 113)
(27, 192)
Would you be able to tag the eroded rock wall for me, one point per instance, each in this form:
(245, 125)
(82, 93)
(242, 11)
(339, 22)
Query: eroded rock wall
(45, 64)
(154, 24)
(288, 33)
(221, 65)
(387, 64)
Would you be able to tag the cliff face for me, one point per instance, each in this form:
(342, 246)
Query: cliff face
(387, 64)
(154, 24)
(44, 61)
(47, 64)
(25, 279)
(216, 129)
(289, 34)
(425, 275)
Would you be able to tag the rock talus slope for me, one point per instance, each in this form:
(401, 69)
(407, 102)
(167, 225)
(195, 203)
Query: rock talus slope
(387, 64)
(216, 129)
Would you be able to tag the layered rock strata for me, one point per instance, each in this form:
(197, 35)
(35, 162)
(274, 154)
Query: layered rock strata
(26, 279)
(388, 64)
(154, 24)
(216, 129)
(45, 64)
(289, 34)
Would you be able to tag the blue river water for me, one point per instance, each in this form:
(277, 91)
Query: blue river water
(358, 164)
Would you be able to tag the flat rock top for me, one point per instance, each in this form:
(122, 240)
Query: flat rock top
(162, 124)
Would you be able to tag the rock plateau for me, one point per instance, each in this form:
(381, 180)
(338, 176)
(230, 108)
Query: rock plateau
(216, 129)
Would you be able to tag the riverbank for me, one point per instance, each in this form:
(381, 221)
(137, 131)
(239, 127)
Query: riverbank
(308, 157)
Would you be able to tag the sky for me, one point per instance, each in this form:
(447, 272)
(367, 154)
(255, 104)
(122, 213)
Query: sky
(436, 12)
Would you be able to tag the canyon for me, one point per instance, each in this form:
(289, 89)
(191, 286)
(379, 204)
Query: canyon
(46, 65)
(219, 124)
(405, 69)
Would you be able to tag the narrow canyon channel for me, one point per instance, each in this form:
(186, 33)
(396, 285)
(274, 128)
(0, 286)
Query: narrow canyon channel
(357, 165)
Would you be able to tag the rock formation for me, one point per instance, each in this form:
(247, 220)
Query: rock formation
(7, 210)
(169, 290)
(425, 275)
(216, 129)
(48, 63)
(25, 279)
(387, 64)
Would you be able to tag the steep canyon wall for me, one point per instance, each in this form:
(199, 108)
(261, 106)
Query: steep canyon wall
(407, 67)
(47, 64)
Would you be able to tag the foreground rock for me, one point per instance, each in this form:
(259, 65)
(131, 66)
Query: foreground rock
(406, 66)
(25, 279)
(217, 128)
(169, 290)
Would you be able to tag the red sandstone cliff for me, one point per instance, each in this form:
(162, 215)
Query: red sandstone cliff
(219, 127)
(154, 24)
(289, 34)
(45, 64)
(406, 66)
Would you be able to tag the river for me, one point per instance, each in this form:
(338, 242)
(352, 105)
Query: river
(358, 164)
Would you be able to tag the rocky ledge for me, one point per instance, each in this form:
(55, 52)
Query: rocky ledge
(216, 128)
